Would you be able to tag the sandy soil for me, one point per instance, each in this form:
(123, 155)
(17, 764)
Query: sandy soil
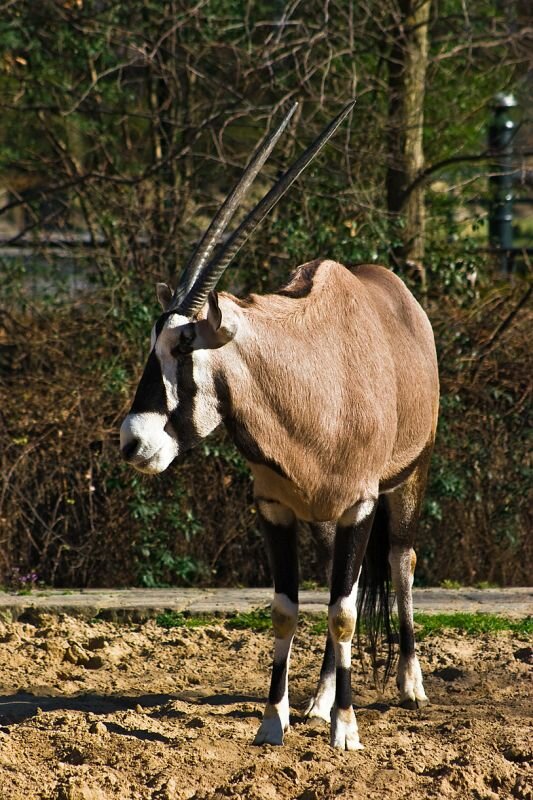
(101, 711)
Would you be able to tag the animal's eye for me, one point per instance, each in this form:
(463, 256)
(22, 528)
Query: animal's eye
(180, 350)
(185, 344)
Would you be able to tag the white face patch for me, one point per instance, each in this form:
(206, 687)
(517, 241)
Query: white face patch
(151, 436)
(205, 405)
(165, 342)
(206, 416)
(156, 449)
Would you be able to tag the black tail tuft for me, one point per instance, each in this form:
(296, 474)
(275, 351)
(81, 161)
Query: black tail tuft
(375, 601)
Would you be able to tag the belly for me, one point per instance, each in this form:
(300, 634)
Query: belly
(326, 503)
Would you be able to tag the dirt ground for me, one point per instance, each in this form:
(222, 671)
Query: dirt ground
(98, 711)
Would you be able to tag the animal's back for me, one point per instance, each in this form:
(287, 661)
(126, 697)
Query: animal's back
(351, 384)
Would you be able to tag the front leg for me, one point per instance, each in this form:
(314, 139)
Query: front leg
(279, 526)
(351, 539)
(319, 707)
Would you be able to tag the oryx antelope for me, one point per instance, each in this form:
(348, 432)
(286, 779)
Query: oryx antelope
(329, 389)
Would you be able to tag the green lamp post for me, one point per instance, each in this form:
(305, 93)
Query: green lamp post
(501, 133)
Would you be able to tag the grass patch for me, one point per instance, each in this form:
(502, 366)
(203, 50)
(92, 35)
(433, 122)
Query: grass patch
(486, 585)
(319, 625)
(427, 624)
(257, 620)
(175, 619)
(432, 624)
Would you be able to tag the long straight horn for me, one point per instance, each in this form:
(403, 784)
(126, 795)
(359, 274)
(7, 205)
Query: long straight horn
(211, 237)
(209, 277)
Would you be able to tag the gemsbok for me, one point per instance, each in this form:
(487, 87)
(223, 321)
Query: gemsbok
(329, 389)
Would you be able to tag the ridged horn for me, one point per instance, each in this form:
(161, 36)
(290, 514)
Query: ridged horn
(220, 221)
(208, 278)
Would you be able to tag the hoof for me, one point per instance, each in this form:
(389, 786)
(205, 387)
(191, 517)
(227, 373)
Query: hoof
(414, 704)
(270, 732)
(318, 710)
(275, 723)
(344, 733)
(410, 684)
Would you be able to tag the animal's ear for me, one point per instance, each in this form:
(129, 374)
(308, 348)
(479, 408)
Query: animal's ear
(164, 295)
(219, 328)
(214, 314)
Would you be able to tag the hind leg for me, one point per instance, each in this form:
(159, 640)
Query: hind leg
(404, 508)
(319, 707)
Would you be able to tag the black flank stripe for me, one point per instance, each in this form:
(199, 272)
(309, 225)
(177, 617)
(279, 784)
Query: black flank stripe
(239, 433)
(277, 683)
(343, 688)
(150, 394)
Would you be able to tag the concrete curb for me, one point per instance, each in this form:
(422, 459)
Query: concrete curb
(137, 605)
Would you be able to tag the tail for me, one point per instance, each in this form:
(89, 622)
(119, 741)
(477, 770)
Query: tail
(375, 601)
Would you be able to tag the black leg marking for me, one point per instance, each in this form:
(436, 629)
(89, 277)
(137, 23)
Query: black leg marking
(349, 550)
(282, 548)
(328, 662)
(343, 691)
(278, 682)
(348, 553)
(407, 639)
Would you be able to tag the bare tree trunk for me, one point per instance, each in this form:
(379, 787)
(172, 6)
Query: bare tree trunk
(407, 61)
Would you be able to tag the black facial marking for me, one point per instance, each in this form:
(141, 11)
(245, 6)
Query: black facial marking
(182, 417)
(185, 344)
(160, 323)
(343, 688)
(150, 394)
(239, 433)
(277, 682)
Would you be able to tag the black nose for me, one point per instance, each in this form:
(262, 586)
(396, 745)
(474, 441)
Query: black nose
(130, 449)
